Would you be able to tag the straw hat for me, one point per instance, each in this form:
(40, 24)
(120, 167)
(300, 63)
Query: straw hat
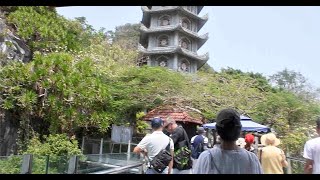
(270, 139)
(241, 142)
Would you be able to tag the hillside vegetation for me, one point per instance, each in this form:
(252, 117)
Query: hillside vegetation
(81, 78)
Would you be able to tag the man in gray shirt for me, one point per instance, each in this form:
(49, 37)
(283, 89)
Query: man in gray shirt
(227, 158)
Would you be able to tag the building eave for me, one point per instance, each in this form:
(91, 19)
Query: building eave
(201, 20)
(201, 39)
(199, 9)
(176, 113)
(172, 49)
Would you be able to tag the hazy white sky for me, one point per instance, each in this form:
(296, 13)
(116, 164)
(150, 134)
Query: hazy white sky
(254, 38)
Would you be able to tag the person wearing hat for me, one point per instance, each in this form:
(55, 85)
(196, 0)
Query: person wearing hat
(271, 157)
(152, 144)
(199, 143)
(227, 158)
(241, 142)
(311, 153)
(249, 139)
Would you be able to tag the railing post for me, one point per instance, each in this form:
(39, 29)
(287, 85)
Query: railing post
(26, 164)
(101, 150)
(128, 151)
(73, 165)
(101, 146)
(47, 164)
(82, 144)
(289, 170)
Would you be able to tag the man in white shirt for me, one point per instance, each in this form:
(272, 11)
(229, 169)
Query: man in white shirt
(312, 153)
(152, 144)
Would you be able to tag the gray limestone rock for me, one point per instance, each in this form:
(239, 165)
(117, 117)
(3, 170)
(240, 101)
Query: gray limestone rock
(11, 46)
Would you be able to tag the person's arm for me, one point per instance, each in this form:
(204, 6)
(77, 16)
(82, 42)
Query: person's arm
(284, 161)
(172, 154)
(308, 167)
(257, 168)
(141, 146)
(137, 150)
(307, 154)
(171, 162)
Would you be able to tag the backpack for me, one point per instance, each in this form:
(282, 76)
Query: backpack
(182, 156)
(198, 149)
(162, 159)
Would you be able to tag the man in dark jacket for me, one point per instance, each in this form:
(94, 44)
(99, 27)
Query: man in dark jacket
(181, 142)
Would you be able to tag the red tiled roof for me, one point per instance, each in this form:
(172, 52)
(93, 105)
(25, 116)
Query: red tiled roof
(174, 113)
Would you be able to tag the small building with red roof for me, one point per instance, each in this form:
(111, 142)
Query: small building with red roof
(187, 117)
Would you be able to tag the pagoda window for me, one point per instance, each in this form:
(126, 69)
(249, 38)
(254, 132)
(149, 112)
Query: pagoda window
(163, 41)
(164, 20)
(162, 61)
(186, 23)
(184, 65)
(185, 43)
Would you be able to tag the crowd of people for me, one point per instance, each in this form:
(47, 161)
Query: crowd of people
(232, 154)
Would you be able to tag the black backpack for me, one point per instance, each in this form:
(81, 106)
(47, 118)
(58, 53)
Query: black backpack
(182, 154)
(162, 159)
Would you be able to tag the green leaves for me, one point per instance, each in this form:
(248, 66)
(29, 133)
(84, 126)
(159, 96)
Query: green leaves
(57, 145)
(79, 79)
(27, 99)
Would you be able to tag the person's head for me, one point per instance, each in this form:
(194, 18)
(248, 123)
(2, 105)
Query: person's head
(201, 130)
(170, 125)
(270, 139)
(249, 138)
(318, 126)
(228, 125)
(157, 123)
(241, 142)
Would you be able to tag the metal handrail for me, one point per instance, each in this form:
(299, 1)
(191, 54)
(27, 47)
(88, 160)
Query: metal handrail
(119, 169)
(297, 159)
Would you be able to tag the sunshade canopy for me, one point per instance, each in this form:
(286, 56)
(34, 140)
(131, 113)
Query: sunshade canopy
(247, 125)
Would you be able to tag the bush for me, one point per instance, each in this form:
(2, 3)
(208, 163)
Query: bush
(59, 148)
(11, 165)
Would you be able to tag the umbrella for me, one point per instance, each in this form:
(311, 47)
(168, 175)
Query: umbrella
(247, 125)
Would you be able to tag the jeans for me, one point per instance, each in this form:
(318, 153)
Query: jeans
(176, 171)
(152, 171)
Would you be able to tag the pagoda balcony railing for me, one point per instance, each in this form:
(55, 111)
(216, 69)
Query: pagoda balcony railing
(173, 49)
(173, 27)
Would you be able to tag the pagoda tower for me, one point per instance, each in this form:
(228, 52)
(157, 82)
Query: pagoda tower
(169, 37)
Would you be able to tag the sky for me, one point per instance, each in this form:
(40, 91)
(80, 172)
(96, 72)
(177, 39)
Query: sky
(263, 39)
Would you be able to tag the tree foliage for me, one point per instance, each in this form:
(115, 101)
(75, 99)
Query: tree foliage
(81, 78)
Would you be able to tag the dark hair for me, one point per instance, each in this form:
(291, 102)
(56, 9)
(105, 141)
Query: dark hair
(318, 122)
(229, 132)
